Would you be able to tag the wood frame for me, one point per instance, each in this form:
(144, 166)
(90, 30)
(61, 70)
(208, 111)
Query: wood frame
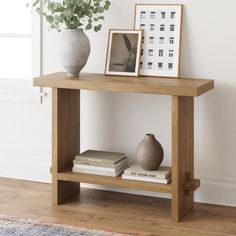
(136, 73)
(66, 129)
(180, 35)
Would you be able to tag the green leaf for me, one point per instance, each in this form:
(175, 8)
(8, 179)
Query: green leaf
(53, 26)
(49, 19)
(100, 9)
(108, 3)
(106, 7)
(89, 26)
(36, 3)
(38, 10)
(89, 14)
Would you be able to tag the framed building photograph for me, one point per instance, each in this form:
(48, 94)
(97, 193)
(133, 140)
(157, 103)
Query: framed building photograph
(123, 52)
(161, 40)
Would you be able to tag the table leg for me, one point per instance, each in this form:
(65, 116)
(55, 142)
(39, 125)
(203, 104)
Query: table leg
(182, 155)
(65, 140)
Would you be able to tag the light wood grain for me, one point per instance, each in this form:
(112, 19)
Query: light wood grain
(66, 133)
(113, 181)
(182, 155)
(149, 85)
(65, 140)
(118, 212)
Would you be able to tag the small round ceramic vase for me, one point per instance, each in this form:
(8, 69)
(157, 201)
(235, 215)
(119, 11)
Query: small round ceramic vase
(149, 153)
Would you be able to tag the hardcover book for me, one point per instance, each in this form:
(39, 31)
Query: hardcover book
(163, 172)
(98, 172)
(146, 179)
(123, 166)
(101, 156)
(101, 164)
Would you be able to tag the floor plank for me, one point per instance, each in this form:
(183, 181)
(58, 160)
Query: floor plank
(116, 212)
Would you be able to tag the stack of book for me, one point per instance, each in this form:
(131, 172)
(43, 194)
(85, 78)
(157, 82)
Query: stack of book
(161, 175)
(100, 163)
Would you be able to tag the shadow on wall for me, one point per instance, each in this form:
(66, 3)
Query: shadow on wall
(215, 123)
(186, 66)
(97, 120)
(118, 122)
(134, 115)
(218, 129)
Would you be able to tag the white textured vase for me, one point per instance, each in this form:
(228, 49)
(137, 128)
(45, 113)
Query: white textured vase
(74, 50)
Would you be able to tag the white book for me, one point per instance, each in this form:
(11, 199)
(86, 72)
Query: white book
(94, 172)
(100, 164)
(146, 179)
(99, 168)
(100, 156)
(163, 172)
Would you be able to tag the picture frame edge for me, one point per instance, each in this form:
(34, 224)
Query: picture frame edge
(108, 44)
(180, 36)
(180, 39)
(135, 74)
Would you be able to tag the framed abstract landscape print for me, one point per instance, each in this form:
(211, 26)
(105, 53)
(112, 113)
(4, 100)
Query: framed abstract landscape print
(123, 52)
(161, 40)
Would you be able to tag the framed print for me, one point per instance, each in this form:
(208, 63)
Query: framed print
(161, 41)
(123, 52)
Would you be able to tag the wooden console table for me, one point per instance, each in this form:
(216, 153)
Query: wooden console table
(66, 133)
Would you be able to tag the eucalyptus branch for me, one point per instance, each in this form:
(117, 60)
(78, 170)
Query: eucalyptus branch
(73, 14)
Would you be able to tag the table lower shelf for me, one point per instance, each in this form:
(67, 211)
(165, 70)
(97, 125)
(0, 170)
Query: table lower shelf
(113, 181)
(70, 176)
(65, 184)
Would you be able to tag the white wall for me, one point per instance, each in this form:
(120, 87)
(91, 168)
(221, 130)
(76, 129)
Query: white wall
(119, 121)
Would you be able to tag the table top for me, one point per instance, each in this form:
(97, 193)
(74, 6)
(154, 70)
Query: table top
(148, 85)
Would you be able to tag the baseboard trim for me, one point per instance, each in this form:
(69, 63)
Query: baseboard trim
(24, 157)
(25, 167)
(211, 192)
(215, 190)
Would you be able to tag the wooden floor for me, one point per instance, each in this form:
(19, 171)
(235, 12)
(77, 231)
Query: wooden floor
(117, 212)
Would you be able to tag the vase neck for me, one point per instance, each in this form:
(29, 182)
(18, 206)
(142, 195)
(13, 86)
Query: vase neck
(148, 136)
(78, 29)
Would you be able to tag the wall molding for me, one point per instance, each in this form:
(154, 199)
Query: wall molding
(213, 190)
(216, 179)
(24, 157)
(25, 167)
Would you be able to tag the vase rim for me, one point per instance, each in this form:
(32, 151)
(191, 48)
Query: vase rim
(149, 134)
(80, 29)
